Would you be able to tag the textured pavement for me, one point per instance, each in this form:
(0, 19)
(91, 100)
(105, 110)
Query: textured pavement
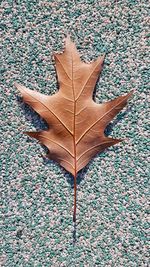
(37, 194)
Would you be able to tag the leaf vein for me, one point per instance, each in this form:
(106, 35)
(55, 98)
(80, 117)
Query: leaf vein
(51, 112)
(91, 126)
(57, 144)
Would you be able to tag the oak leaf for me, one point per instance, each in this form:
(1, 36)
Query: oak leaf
(76, 123)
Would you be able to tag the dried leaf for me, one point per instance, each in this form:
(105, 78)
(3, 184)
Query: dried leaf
(76, 123)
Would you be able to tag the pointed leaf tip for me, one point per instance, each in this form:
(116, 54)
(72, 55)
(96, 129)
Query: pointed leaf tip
(103, 56)
(16, 84)
(68, 40)
(68, 36)
(115, 140)
(128, 95)
(125, 139)
(31, 134)
(27, 133)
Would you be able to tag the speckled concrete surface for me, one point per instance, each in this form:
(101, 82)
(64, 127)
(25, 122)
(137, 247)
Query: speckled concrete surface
(37, 194)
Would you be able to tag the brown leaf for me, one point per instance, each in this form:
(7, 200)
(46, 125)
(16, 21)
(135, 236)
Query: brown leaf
(76, 123)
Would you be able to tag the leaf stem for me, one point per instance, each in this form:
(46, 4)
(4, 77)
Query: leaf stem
(75, 197)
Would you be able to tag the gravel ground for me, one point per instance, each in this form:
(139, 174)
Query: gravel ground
(37, 194)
